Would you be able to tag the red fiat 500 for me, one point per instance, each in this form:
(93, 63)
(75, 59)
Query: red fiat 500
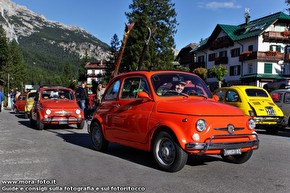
(172, 114)
(56, 105)
(19, 105)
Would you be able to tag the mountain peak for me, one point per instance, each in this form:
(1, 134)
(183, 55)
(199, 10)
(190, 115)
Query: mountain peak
(20, 24)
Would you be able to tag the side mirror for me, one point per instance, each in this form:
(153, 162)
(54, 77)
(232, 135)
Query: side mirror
(216, 97)
(144, 95)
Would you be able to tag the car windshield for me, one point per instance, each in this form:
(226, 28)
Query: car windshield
(176, 83)
(256, 93)
(57, 94)
(31, 95)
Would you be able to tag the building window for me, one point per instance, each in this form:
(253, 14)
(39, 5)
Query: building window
(200, 59)
(235, 70)
(277, 48)
(235, 52)
(223, 54)
(268, 68)
(250, 48)
(211, 57)
(250, 69)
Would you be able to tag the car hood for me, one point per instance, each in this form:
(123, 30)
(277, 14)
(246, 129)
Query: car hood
(197, 107)
(60, 104)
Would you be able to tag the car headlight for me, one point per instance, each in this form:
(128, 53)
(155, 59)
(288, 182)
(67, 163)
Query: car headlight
(48, 111)
(200, 125)
(78, 111)
(252, 124)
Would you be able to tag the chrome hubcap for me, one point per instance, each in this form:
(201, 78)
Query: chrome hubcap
(166, 152)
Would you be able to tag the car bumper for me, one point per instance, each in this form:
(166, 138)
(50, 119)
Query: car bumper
(269, 120)
(62, 120)
(210, 145)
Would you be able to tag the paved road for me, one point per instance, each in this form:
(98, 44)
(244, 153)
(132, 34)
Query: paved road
(62, 160)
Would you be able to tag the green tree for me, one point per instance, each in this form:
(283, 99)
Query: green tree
(160, 17)
(4, 51)
(201, 72)
(18, 66)
(68, 74)
(219, 73)
(288, 3)
(13, 68)
(82, 70)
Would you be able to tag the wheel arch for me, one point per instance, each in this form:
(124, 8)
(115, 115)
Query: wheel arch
(176, 135)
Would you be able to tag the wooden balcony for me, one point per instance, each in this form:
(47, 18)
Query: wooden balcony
(198, 65)
(279, 37)
(221, 43)
(221, 60)
(273, 56)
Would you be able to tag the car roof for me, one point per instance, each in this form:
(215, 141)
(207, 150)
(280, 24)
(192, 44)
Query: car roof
(150, 73)
(54, 88)
(240, 87)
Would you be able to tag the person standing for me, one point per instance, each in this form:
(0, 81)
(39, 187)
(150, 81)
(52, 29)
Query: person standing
(1, 99)
(12, 97)
(99, 94)
(82, 97)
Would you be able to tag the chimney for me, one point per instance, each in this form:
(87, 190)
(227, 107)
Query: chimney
(247, 15)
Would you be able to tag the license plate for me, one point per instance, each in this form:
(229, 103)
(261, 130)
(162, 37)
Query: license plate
(62, 122)
(232, 152)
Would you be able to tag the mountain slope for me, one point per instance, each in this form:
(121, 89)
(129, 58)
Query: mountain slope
(47, 45)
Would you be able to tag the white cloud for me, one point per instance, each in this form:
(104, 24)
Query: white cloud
(220, 5)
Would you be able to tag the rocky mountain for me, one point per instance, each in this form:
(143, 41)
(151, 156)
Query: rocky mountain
(39, 37)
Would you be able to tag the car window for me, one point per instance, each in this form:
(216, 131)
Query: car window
(113, 90)
(232, 96)
(287, 98)
(132, 86)
(253, 92)
(31, 95)
(166, 83)
(220, 94)
(277, 97)
(57, 94)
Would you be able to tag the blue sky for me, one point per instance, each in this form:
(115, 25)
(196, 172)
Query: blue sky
(196, 18)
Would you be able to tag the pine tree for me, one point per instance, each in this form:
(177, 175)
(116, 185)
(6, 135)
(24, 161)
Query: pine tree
(160, 17)
(4, 50)
(13, 68)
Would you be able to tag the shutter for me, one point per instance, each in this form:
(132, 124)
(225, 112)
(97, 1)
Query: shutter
(271, 47)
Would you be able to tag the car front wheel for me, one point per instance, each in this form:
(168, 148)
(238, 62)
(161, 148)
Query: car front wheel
(98, 139)
(238, 159)
(39, 124)
(81, 125)
(167, 153)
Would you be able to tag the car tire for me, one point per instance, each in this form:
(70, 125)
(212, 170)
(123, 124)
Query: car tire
(238, 159)
(39, 124)
(167, 153)
(81, 125)
(32, 122)
(98, 140)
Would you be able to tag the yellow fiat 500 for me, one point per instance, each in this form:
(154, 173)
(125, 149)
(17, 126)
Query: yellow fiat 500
(255, 102)
(29, 103)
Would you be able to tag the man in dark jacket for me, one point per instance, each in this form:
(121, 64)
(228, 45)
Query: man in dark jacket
(82, 97)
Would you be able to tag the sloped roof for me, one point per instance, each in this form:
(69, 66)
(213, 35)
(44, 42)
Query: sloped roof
(246, 30)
